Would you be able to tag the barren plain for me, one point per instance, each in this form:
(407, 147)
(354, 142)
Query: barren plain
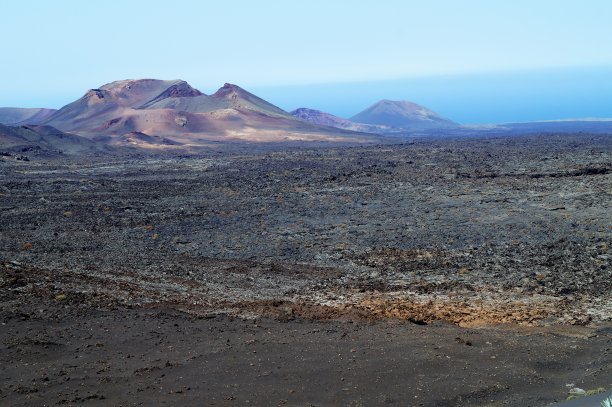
(438, 272)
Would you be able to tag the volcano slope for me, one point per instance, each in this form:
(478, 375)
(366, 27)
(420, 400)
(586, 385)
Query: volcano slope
(165, 115)
(440, 272)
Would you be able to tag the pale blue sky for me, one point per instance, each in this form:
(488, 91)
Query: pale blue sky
(482, 51)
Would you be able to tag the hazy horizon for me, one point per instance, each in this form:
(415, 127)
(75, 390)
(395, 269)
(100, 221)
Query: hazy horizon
(473, 62)
(500, 97)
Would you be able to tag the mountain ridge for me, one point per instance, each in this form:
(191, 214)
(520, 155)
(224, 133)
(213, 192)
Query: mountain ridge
(144, 110)
(327, 119)
(14, 116)
(45, 139)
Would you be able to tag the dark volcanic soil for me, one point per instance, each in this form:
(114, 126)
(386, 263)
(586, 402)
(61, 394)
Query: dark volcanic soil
(286, 272)
(72, 355)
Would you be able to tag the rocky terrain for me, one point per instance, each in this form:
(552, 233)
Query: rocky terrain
(444, 271)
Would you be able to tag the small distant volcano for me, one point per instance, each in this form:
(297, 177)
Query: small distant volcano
(402, 114)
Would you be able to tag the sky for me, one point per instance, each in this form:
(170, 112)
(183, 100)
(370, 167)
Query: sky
(473, 61)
